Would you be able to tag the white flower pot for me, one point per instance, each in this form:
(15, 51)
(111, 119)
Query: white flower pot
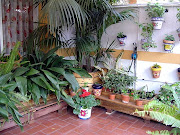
(122, 41)
(157, 22)
(85, 113)
(86, 88)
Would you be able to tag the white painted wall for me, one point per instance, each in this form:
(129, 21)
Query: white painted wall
(133, 32)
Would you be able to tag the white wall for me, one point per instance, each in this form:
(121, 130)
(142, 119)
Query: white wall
(131, 29)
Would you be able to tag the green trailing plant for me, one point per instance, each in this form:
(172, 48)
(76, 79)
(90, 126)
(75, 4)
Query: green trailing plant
(147, 32)
(136, 96)
(9, 65)
(168, 115)
(166, 95)
(169, 37)
(121, 35)
(178, 14)
(156, 66)
(85, 100)
(155, 10)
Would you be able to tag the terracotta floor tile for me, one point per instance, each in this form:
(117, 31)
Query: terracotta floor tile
(99, 125)
(59, 122)
(120, 132)
(74, 121)
(51, 129)
(125, 125)
(23, 133)
(80, 129)
(88, 132)
(104, 132)
(67, 128)
(39, 133)
(6, 133)
(36, 129)
(104, 116)
(56, 133)
(72, 133)
(138, 124)
(111, 126)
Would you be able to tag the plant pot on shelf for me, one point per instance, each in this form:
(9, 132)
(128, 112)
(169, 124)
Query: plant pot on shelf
(72, 93)
(132, 1)
(112, 96)
(157, 22)
(168, 45)
(85, 113)
(125, 98)
(139, 102)
(97, 89)
(156, 71)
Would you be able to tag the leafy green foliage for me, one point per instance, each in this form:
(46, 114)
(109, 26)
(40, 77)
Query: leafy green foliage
(169, 37)
(178, 14)
(147, 32)
(121, 35)
(156, 66)
(155, 10)
(9, 65)
(169, 115)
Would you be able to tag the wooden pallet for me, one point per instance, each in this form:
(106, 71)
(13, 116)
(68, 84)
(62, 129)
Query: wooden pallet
(36, 111)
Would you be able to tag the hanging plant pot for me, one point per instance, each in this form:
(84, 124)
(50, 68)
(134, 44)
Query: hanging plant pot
(97, 89)
(125, 98)
(179, 73)
(157, 22)
(156, 71)
(178, 31)
(121, 38)
(85, 113)
(168, 45)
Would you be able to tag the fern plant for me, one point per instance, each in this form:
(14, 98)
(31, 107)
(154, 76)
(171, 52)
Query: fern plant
(7, 67)
(168, 115)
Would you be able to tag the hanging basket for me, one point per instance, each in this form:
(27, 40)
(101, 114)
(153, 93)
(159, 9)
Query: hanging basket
(168, 45)
(156, 72)
(122, 41)
(157, 22)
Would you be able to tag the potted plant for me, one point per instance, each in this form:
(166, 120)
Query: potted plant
(125, 95)
(121, 38)
(136, 97)
(178, 18)
(97, 89)
(84, 102)
(169, 43)
(156, 13)
(156, 70)
(147, 32)
(85, 86)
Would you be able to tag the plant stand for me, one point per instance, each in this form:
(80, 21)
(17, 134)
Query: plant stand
(36, 111)
(118, 105)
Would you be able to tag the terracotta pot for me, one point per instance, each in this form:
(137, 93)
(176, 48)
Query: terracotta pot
(156, 72)
(112, 96)
(139, 102)
(132, 1)
(125, 98)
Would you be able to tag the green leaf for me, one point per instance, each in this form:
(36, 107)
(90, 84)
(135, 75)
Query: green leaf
(41, 81)
(81, 72)
(22, 84)
(50, 53)
(58, 70)
(5, 78)
(32, 72)
(4, 113)
(44, 94)
(36, 93)
(20, 71)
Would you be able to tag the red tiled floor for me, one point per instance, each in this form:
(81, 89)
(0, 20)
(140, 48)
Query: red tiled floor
(99, 124)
